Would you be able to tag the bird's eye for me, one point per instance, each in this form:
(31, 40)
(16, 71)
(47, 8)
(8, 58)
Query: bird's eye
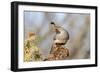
(54, 39)
(57, 31)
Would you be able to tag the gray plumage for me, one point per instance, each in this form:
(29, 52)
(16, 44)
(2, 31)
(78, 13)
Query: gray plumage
(61, 37)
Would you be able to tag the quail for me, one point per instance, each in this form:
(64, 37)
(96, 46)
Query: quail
(61, 37)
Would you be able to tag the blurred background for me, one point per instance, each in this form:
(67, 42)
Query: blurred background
(77, 25)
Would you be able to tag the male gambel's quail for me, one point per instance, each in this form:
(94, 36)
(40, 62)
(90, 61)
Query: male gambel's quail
(61, 37)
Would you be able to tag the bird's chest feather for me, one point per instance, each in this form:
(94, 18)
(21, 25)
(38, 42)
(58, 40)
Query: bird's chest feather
(61, 36)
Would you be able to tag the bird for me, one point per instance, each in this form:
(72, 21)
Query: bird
(61, 37)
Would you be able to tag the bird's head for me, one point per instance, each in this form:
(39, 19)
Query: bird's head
(55, 27)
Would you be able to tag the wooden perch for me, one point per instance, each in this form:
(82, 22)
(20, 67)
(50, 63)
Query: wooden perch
(59, 53)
